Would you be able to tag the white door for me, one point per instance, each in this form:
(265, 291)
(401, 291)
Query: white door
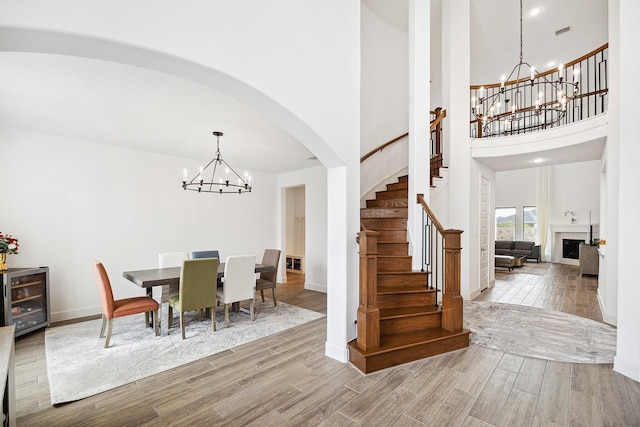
(485, 205)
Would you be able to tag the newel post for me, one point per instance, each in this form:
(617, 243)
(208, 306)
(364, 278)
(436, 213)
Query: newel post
(368, 330)
(452, 303)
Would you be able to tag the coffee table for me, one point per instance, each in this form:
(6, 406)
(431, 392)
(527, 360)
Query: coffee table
(519, 260)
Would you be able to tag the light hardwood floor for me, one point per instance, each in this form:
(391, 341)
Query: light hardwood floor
(286, 380)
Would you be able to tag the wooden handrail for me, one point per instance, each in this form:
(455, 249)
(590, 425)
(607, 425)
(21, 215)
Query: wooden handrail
(382, 147)
(434, 123)
(431, 214)
(437, 120)
(546, 73)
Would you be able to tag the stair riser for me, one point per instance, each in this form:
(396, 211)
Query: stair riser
(393, 248)
(406, 300)
(384, 223)
(384, 212)
(376, 362)
(410, 324)
(392, 235)
(402, 280)
(394, 264)
(398, 186)
(396, 194)
(388, 203)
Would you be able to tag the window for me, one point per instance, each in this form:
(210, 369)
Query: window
(530, 223)
(505, 223)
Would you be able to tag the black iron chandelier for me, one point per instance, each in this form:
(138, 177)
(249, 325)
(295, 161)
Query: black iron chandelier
(524, 102)
(227, 179)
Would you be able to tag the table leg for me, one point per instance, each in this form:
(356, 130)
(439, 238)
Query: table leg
(148, 316)
(163, 318)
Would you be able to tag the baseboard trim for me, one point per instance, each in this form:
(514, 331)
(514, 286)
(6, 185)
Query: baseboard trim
(337, 353)
(63, 316)
(626, 368)
(606, 318)
(315, 287)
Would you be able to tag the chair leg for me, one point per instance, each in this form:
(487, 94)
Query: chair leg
(251, 312)
(262, 294)
(109, 329)
(104, 323)
(182, 323)
(170, 313)
(226, 315)
(146, 319)
(155, 322)
(213, 318)
(275, 301)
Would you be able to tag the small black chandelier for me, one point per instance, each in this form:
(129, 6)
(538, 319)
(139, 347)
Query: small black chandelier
(524, 102)
(228, 180)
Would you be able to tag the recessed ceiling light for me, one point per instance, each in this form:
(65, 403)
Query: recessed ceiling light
(535, 11)
(311, 158)
(538, 160)
(551, 63)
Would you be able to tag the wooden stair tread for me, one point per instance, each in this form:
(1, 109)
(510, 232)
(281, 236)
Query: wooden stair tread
(390, 343)
(395, 273)
(396, 312)
(390, 290)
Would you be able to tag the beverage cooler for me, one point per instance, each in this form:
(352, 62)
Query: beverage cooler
(25, 293)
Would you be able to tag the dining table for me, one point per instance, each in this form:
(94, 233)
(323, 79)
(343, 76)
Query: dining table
(152, 277)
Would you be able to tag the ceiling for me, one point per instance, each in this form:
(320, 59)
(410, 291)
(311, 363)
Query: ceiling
(111, 103)
(117, 104)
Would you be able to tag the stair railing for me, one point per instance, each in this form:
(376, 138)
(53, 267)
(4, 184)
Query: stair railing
(435, 130)
(441, 259)
(592, 99)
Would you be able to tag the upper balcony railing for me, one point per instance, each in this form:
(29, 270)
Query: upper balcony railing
(529, 109)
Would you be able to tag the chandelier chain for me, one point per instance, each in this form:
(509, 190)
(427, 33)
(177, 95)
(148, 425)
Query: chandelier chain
(521, 31)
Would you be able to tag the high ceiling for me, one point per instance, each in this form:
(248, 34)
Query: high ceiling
(137, 108)
(123, 105)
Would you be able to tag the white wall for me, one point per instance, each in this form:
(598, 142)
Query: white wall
(576, 188)
(314, 181)
(383, 102)
(623, 14)
(74, 201)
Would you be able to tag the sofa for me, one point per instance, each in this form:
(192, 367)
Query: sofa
(518, 249)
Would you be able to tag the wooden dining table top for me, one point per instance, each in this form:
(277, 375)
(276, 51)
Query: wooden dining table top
(171, 275)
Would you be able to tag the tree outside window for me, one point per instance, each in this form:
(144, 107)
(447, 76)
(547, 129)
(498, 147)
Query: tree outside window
(505, 223)
(530, 223)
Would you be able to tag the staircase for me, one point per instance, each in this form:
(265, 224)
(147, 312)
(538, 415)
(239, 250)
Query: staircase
(399, 319)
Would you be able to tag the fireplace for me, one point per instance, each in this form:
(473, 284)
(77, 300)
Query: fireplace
(571, 248)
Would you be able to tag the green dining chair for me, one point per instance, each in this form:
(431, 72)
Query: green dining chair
(197, 289)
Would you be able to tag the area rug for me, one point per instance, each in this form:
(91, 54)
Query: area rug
(79, 366)
(534, 332)
(539, 269)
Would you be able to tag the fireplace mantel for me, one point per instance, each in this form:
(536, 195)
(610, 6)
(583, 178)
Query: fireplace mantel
(569, 231)
(571, 228)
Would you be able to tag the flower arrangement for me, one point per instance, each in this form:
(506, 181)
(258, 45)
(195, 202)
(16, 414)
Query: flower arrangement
(8, 244)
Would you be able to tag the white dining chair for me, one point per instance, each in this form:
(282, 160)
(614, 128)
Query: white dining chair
(238, 283)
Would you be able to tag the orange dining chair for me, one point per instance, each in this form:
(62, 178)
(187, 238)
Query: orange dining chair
(121, 307)
(268, 280)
